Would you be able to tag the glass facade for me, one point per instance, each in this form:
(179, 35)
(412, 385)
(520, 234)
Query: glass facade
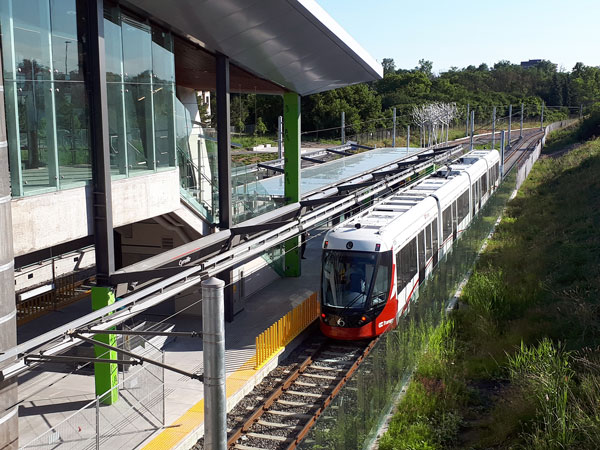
(47, 113)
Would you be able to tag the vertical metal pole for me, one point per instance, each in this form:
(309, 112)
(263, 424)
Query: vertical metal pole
(97, 423)
(468, 109)
(494, 128)
(502, 154)
(224, 141)
(343, 127)
(213, 341)
(521, 129)
(509, 125)
(280, 137)
(472, 128)
(102, 194)
(394, 128)
(542, 119)
(408, 136)
(292, 120)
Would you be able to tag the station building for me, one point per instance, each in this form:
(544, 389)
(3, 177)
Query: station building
(105, 157)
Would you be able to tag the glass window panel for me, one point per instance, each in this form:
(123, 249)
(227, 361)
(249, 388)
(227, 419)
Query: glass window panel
(113, 45)
(447, 221)
(164, 126)
(72, 130)
(428, 251)
(139, 124)
(65, 45)
(137, 50)
(31, 30)
(434, 231)
(421, 250)
(116, 129)
(35, 136)
(163, 60)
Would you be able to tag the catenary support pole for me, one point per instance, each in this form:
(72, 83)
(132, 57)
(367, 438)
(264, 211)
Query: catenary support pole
(542, 118)
(521, 128)
(408, 136)
(394, 128)
(472, 128)
(280, 137)
(502, 154)
(291, 176)
(494, 127)
(9, 417)
(224, 167)
(509, 125)
(468, 113)
(213, 344)
(343, 127)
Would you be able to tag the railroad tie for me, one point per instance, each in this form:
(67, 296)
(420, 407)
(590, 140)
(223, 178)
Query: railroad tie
(268, 436)
(321, 377)
(264, 423)
(289, 415)
(329, 369)
(289, 403)
(247, 447)
(306, 394)
(302, 383)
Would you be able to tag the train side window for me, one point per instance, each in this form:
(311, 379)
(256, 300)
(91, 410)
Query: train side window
(454, 216)
(474, 197)
(484, 183)
(447, 222)
(381, 287)
(428, 252)
(463, 206)
(434, 235)
(407, 264)
(422, 250)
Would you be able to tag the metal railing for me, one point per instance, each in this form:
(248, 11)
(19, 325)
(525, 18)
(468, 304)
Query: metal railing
(286, 329)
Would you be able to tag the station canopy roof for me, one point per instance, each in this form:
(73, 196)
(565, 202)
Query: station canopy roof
(289, 44)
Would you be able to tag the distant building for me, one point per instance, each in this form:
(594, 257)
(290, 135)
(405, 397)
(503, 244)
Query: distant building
(530, 63)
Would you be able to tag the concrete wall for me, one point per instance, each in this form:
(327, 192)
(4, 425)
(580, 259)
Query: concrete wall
(9, 425)
(41, 221)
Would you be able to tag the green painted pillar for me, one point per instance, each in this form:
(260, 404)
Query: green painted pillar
(291, 142)
(106, 376)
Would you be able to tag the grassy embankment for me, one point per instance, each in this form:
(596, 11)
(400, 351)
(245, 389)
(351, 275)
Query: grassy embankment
(518, 365)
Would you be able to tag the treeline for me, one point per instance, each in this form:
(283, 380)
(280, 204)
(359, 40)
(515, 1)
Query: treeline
(368, 106)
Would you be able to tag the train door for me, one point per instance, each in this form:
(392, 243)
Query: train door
(446, 226)
(428, 247)
(454, 220)
(435, 242)
(422, 261)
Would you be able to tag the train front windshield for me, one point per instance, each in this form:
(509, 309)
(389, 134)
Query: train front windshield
(355, 280)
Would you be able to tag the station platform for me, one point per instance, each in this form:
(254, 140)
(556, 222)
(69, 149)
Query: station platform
(49, 397)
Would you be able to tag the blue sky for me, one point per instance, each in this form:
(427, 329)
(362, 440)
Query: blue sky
(463, 32)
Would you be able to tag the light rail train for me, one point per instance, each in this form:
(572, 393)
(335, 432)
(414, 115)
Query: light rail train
(373, 263)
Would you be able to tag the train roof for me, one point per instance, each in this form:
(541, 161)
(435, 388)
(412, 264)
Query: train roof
(374, 225)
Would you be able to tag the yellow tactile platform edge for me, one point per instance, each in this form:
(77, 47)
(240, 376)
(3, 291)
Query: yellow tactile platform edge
(194, 416)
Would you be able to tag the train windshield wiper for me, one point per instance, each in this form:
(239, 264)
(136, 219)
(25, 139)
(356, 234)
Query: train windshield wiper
(352, 302)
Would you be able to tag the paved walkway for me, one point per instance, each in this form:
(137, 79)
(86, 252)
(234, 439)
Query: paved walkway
(49, 397)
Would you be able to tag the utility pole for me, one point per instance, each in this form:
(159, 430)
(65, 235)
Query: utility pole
(468, 109)
(509, 124)
(494, 127)
(407, 137)
(522, 110)
(502, 154)
(343, 127)
(542, 119)
(394, 129)
(280, 136)
(472, 127)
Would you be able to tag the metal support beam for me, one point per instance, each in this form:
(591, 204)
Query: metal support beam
(494, 128)
(34, 359)
(224, 142)
(193, 376)
(291, 118)
(502, 154)
(191, 334)
(468, 114)
(394, 128)
(408, 136)
(273, 168)
(97, 98)
(280, 137)
(472, 129)
(213, 339)
(521, 128)
(343, 127)
(312, 160)
(542, 118)
(509, 125)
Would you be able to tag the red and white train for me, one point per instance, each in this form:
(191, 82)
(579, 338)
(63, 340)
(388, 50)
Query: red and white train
(374, 262)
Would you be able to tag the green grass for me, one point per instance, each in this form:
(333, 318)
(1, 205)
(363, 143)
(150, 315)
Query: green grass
(520, 365)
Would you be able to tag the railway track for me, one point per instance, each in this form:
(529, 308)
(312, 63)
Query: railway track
(520, 149)
(285, 417)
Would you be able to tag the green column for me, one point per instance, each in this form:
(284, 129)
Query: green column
(291, 142)
(106, 376)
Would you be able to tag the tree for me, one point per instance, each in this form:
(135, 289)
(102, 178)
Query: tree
(426, 67)
(389, 66)
(260, 127)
